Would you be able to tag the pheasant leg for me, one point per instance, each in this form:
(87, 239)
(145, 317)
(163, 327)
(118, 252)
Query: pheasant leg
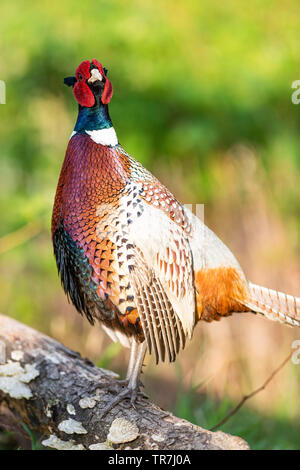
(132, 388)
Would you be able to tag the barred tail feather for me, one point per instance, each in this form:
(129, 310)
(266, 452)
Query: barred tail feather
(274, 305)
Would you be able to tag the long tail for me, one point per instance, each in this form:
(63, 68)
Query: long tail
(274, 305)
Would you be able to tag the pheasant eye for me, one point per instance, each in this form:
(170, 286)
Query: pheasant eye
(80, 76)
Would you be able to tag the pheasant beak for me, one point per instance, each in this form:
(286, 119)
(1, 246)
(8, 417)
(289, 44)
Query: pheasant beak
(95, 76)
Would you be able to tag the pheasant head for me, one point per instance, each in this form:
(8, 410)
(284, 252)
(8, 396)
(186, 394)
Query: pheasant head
(91, 87)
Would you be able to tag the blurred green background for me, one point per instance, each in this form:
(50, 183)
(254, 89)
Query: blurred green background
(202, 97)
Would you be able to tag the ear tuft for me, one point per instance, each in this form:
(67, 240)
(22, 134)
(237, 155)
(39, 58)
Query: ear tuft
(70, 81)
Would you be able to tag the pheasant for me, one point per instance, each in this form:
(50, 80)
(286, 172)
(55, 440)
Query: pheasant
(130, 255)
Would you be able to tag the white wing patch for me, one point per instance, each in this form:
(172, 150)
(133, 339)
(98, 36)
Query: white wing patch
(166, 251)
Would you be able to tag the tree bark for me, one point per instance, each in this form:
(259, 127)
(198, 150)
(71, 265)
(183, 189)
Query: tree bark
(58, 394)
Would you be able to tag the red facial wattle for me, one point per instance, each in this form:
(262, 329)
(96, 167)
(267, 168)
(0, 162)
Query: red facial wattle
(82, 91)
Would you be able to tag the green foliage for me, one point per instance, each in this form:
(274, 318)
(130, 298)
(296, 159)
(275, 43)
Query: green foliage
(261, 432)
(7, 441)
(34, 443)
(108, 355)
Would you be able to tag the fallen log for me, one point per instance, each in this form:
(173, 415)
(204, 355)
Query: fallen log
(60, 395)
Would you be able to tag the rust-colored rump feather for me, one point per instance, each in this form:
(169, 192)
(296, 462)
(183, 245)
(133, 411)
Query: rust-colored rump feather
(217, 291)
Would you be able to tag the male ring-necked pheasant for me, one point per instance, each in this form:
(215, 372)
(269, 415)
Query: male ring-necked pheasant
(130, 255)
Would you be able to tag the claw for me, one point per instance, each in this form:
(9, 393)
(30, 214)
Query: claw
(132, 393)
